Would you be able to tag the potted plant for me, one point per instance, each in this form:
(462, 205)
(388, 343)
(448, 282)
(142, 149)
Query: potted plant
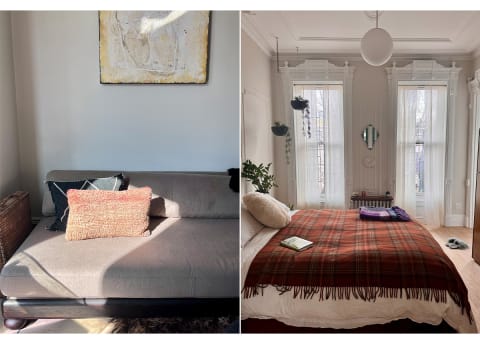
(259, 176)
(280, 129)
(298, 103)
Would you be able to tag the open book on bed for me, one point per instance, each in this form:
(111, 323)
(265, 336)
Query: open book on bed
(296, 243)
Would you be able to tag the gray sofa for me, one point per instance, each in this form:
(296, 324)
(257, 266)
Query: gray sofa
(189, 265)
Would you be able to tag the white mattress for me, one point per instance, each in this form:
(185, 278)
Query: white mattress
(339, 314)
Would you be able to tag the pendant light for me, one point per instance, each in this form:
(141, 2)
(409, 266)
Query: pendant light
(376, 46)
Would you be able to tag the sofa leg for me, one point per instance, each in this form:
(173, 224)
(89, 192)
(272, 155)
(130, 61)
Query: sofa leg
(16, 324)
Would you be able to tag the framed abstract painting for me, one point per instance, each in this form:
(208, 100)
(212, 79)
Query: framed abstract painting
(154, 47)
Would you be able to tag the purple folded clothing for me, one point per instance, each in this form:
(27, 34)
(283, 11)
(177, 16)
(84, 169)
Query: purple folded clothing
(383, 214)
(401, 214)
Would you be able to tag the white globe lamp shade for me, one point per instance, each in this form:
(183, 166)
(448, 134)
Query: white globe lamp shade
(376, 47)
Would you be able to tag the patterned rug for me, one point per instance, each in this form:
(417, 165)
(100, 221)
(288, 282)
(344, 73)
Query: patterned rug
(228, 324)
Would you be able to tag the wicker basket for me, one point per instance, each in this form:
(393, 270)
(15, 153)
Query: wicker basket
(15, 223)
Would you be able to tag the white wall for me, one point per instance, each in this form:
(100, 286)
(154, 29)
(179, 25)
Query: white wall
(68, 120)
(256, 118)
(9, 173)
(370, 106)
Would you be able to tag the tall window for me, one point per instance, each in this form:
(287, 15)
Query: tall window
(319, 147)
(421, 142)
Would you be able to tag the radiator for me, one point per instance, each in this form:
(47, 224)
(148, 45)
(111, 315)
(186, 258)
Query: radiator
(370, 201)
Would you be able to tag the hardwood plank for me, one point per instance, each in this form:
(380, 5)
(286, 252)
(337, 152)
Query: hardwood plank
(468, 269)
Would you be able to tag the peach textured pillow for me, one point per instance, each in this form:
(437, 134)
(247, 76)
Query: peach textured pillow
(107, 214)
(267, 210)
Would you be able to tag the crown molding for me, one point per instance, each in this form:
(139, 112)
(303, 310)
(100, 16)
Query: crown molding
(252, 32)
(467, 32)
(293, 57)
(358, 39)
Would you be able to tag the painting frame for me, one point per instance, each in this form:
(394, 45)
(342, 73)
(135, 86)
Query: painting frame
(181, 52)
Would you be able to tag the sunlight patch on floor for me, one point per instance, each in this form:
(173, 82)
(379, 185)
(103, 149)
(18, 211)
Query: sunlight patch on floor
(91, 325)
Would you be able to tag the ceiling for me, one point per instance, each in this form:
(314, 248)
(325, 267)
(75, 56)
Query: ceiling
(340, 32)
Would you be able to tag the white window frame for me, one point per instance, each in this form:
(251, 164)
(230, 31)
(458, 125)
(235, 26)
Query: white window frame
(313, 84)
(318, 71)
(427, 72)
(420, 196)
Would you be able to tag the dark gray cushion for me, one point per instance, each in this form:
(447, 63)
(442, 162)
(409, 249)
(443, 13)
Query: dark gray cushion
(58, 190)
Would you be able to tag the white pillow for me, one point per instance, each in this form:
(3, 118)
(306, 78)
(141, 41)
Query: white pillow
(250, 226)
(267, 210)
(282, 205)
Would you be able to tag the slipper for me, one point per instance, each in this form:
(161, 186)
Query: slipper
(451, 240)
(454, 243)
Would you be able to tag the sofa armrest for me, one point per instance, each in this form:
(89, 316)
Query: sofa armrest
(15, 223)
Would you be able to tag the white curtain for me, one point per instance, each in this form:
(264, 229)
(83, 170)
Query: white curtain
(434, 107)
(319, 159)
(435, 147)
(405, 193)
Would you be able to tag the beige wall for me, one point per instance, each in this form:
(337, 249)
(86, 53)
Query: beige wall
(370, 106)
(476, 63)
(9, 173)
(256, 118)
(68, 120)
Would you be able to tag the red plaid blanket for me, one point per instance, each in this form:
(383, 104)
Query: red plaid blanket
(356, 258)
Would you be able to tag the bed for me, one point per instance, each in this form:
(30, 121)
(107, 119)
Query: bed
(358, 273)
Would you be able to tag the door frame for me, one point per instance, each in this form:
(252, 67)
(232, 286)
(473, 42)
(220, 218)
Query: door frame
(474, 125)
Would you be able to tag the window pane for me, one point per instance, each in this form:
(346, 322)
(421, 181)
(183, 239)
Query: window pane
(316, 144)
(321, 164)
(419, 167)
(419, 139)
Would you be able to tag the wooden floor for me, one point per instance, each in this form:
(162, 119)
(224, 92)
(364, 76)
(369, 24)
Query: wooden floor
(466, 266)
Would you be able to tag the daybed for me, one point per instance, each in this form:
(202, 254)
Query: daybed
(358, 273)
(188, 265)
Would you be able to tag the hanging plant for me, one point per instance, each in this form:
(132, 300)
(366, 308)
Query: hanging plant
(280, 129)
(298, 103)
(288, 141)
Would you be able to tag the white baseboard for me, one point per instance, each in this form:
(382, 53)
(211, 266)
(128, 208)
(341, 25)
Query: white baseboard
(455, 220)
(467, 224)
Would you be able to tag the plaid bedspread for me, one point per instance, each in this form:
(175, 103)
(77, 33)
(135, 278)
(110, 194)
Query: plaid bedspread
(353, 258)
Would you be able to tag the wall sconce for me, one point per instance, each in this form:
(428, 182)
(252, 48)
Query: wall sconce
(370, 135)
